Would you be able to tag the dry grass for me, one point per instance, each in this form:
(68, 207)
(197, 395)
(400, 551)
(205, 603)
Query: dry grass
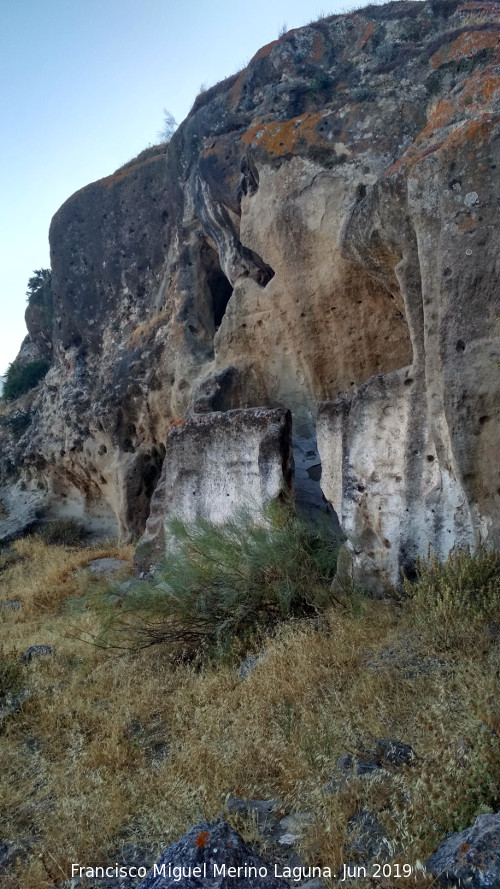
(146, 330)
(78, 766)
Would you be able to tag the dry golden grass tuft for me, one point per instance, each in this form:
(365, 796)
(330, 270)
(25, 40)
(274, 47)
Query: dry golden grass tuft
(109, 750)
(44, 576)
(147, 330)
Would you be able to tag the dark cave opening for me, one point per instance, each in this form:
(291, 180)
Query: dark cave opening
(217, 288)
(221, 291)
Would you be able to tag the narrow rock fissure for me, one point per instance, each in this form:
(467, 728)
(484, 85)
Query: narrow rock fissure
(218, 286)
(221, 292)
(309, 497)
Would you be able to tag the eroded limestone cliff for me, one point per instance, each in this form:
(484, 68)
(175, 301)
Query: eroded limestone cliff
(323, 227)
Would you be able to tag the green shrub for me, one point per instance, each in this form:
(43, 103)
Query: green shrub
(225, 580)
(21, 378)
(457, 595)
(62, 532)
(40, 293)
(451, 794)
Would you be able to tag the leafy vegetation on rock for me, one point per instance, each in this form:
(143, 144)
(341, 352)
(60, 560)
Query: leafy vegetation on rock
(20, 378)
(457, 595)
(39, 292)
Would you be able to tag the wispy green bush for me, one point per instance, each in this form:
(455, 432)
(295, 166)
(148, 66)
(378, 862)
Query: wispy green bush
(452, 597)
(224, 580)
(20, 378)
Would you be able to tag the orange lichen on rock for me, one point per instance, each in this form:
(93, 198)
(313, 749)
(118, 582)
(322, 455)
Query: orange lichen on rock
(237, 88)
(177, 424)
(468, 224)
(482, 10)
(464, 47)
(318, 48)
(264, 51)
(281, 138)
(365, 35)
(474, 131)
(479, 90)
(125, 171)
(202, 839)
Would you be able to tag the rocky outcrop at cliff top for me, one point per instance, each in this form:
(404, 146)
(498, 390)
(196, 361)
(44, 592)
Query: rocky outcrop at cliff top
(323, 227)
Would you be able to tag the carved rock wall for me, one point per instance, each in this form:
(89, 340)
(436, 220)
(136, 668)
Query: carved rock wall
(215, 464)
(322, 227)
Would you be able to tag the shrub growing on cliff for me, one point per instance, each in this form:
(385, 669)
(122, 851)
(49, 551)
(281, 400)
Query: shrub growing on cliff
(457, 595)
(224, 580)
(20, 378)
(39, 292)
(169, 126)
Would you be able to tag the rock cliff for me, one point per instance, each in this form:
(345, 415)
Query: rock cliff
(322, 228)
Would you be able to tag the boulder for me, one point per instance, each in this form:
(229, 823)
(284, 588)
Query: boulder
(470, 858)
(36, 651)
(262, 810)
(392, 752)
(11, 605)
(21, 509)
(367, 840)
(214, 464)
(106, 567)
(208, 851)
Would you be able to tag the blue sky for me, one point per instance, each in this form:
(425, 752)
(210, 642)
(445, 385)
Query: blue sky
(83, 85)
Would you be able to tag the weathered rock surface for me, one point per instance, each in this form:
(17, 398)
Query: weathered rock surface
(20, 511)
(321, 228)
(214, 463)
(389, 754)
(470, 858)
(106, 567)
(212, 846)
(367, 840)
(262, 810)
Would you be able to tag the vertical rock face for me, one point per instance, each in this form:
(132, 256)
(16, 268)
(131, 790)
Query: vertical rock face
(214, 464)
(321, 228)
(383, 478)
